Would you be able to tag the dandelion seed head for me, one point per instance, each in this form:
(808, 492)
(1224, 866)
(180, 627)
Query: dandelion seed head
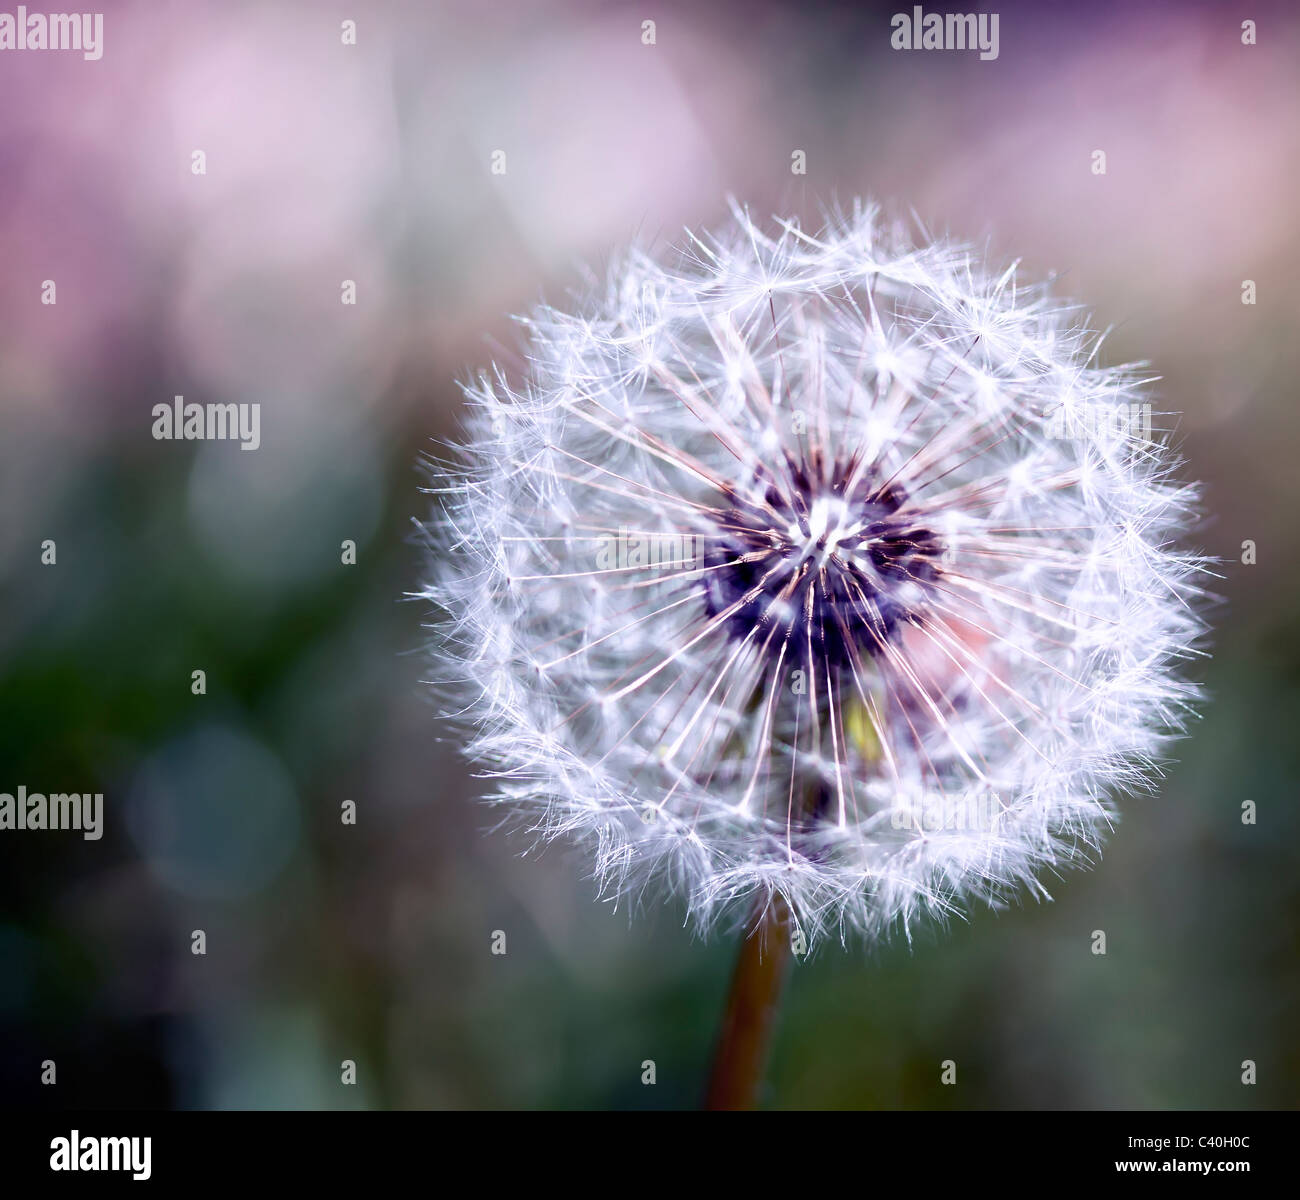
(825, 565)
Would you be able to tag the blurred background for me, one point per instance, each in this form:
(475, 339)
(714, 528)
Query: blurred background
(373, 162)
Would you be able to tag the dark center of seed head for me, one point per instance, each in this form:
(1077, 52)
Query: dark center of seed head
(831, 570)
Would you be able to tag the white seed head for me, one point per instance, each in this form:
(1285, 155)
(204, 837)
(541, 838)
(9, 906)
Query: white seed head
(828, 566)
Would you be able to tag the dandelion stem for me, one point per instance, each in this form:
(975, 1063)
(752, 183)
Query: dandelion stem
(749, 1021)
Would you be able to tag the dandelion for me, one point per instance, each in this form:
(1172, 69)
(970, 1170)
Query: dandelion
(920, 616)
